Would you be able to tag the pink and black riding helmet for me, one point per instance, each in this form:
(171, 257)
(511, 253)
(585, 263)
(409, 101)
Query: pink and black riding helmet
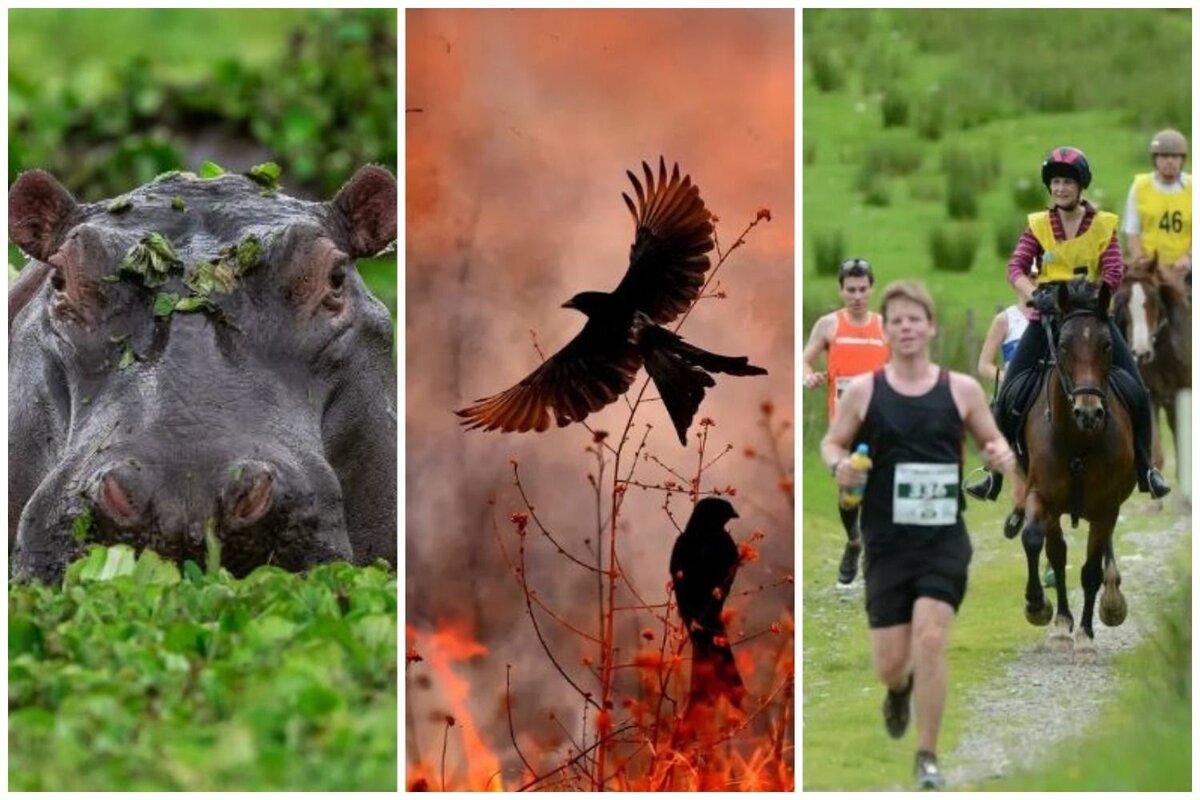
(1067, 162)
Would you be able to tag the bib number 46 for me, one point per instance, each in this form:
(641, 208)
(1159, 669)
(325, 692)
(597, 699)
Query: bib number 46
(1171, 222)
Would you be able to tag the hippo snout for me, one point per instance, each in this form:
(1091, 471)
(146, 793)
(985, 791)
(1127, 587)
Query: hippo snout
(262, 511)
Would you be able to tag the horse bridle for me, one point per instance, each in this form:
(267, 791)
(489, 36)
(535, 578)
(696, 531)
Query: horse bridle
(1072, 392)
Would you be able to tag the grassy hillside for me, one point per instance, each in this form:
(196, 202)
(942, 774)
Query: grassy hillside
(900, 113)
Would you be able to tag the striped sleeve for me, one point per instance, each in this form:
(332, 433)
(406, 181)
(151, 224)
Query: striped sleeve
(1111, 266)
(1027, 251)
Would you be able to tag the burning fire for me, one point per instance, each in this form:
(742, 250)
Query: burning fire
(653, 740)
(470, 765)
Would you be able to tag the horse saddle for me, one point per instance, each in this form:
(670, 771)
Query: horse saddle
(1019, 392)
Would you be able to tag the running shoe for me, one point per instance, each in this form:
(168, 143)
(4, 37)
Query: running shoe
(929, 776)
(848, 569)
(897, 709)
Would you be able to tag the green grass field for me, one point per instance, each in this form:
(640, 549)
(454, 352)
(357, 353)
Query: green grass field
(988, 129)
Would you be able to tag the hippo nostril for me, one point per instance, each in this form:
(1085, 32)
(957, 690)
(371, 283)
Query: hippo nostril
(115, 500)
(251, 491)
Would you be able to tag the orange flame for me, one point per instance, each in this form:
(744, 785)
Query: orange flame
(452, 643)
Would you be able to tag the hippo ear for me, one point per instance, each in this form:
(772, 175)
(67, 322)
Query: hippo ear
(40, 211)
(368, 203)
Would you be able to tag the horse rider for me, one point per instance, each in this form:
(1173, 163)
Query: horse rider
(1003, 334)
(1070, 238)
(852, 340)
(1158, 212)
(913, 414)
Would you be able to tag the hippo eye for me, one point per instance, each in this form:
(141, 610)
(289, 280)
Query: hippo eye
(58, 281)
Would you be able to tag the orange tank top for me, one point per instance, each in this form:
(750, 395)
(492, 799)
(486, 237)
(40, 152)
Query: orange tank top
(855, 349)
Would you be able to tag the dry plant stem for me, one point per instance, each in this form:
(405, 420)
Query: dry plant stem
(777, 458)
(587, 696)
(574, 761)
(445, 741)
(537, 520)
(522, 581)
(512, 733)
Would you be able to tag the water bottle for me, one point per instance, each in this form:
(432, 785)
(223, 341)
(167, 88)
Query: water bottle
(859, 460)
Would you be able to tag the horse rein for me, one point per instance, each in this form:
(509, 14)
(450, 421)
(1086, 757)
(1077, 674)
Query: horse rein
(1072, 392)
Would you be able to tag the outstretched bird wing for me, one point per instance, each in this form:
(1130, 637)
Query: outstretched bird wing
(674, 233)
(590, 372)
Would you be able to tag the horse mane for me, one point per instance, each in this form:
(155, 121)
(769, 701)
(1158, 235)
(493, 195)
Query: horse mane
(1081, 295)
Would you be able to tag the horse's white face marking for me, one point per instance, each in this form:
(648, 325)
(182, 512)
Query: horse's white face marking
(1139, 322)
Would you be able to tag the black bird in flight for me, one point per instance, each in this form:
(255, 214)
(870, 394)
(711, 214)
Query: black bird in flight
(703, 564)
(667, 262)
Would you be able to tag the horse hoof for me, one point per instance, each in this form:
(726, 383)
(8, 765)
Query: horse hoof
(1112, 608)
(1085, 647)
(1039, 616)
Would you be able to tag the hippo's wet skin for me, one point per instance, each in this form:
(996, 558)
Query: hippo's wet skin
(232, 375)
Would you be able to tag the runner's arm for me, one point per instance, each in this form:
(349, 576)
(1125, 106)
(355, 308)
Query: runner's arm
(847, 420)
(818, 342)
(991, 343)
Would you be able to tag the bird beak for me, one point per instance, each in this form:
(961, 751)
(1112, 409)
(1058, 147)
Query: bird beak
(569, 304)
(736, 515)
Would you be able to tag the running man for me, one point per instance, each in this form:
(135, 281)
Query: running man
(852, 340)
(913, 415)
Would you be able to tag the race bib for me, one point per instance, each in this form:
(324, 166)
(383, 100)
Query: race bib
(925, 494)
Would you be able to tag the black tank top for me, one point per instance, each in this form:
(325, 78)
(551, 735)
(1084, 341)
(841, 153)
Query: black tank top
(912, 498)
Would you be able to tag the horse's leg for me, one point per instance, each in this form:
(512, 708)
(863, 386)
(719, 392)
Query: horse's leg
(1112, 602)
(1037, 610)
(1056, 554)
(1090, 577)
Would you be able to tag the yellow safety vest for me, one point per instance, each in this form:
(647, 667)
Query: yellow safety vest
(1166, 219)
(1063, 260)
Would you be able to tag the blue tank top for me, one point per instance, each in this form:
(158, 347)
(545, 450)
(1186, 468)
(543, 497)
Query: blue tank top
(1017, 323)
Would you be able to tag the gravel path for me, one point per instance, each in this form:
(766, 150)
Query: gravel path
(1009, 728)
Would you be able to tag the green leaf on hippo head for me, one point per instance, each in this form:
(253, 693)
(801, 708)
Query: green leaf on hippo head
(248, 251)
(210, 170)
(178, 204)
(165, 176)
(150, 260)
(164, 303)
(120, 205)
(127, 358)
(82, 526)
(194, 303)
(266, 175)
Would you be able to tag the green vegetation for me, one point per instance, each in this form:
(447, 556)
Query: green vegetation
(133, 676)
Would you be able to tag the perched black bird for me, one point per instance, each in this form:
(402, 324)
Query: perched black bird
(703, 563)
(624, 330)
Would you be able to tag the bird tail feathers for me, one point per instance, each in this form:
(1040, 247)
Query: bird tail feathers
(680, 372)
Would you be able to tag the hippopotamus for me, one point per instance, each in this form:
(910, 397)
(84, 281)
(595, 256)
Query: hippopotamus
(197, 367)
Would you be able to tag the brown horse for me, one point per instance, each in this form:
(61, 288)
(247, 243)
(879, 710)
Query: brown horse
(1080, 444)
(1154, 313)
